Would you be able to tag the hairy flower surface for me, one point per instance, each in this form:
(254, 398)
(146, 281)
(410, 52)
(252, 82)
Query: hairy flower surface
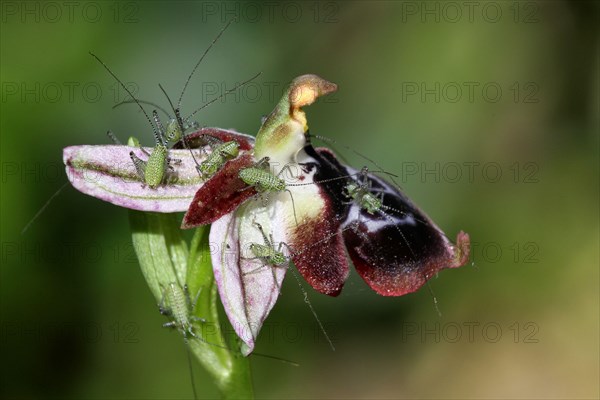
(303, 205)
(107, 172)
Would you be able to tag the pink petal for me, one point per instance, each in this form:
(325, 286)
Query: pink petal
(107, 172)
(248, 288)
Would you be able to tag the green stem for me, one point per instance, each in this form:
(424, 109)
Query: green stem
(164, 258)
(235, 381)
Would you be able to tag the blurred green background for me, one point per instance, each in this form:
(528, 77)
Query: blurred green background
(488, 112)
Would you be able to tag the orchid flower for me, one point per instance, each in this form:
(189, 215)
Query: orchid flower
(312, 222)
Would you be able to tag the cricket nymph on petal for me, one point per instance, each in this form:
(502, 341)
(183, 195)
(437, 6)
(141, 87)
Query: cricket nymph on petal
(394, 246)
(247, 289)
(220, 195)
(108, 172)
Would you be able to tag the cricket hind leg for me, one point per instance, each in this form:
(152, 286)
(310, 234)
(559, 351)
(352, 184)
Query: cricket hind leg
(113, 138)
(139, 164)
(192, 303)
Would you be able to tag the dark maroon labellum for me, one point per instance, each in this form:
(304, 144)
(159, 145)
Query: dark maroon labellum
(395, 250)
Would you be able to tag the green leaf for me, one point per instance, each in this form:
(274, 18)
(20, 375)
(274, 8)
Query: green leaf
(160, 248)
(164, 258)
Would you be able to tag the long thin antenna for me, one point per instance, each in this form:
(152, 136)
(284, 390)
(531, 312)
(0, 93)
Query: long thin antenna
(306, 299)
(337, 178)
(283, 360)
(363, 172)
(189, 358)
(43, 208)
(179, 122)
(149, 103)
(330, 140)
(159, 135)
(113, 138)
(366, 187)
(236, 87)
(181, 127)
(127, 90)
(435, 302)
(178, 113)
(314, 313)
(293, 205)
(200, 60)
